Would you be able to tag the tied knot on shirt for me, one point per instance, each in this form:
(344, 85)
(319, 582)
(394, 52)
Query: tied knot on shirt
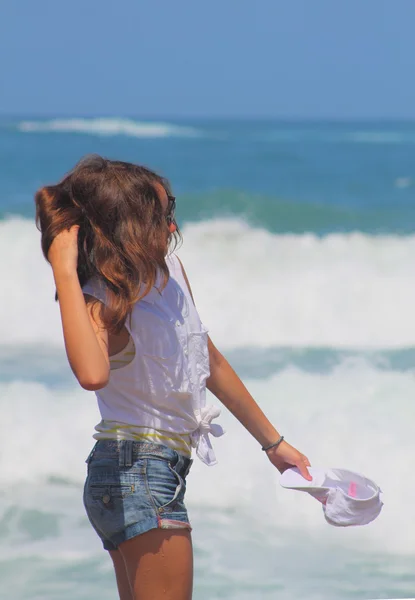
(200, 437)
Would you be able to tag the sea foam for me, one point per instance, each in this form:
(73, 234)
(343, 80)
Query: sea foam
(252, 288)
(356, 417)
(109, 127)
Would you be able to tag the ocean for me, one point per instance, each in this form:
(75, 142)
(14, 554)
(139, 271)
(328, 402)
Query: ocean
(299, 242)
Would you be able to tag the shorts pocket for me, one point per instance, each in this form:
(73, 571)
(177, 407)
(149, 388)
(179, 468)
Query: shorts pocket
(164, 485)
(108, 492)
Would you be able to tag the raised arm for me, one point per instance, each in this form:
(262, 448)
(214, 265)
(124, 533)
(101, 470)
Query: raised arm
(86, 340)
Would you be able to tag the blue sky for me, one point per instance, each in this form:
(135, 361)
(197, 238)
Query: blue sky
(188, 58)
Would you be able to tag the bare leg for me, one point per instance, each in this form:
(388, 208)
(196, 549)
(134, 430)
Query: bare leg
(159, 564)
(123, 583)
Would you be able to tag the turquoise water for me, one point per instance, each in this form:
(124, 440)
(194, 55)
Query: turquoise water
(299, 242)
(295, 177)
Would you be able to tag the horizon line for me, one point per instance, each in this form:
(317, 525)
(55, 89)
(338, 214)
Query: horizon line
(166, 117)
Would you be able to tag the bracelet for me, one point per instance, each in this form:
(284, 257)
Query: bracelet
(275, 445)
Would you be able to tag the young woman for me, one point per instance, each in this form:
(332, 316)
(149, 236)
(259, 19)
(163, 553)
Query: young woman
(133, 335)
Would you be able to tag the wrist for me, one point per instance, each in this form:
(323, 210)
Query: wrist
(273, 445)
(268, 437)
(63, 272)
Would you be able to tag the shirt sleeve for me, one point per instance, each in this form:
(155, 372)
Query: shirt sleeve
(95, 288)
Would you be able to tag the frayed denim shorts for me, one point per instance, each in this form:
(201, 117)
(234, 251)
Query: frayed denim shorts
(132, 487)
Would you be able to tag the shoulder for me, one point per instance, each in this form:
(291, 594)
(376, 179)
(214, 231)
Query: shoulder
(179, 268)
(172, 261)
(175, 265)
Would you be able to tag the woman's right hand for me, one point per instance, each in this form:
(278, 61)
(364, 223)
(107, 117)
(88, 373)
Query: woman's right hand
(63, 251)
(286, 456)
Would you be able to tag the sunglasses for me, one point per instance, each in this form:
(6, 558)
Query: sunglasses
(171, 207)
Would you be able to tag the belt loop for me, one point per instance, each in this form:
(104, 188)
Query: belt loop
(128, 453)
(91, 454)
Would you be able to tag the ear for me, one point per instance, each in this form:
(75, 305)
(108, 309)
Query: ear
(172, 227)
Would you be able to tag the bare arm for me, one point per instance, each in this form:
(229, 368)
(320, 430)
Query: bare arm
(86, 340)
(225, 384)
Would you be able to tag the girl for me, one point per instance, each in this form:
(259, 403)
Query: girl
(133, 335)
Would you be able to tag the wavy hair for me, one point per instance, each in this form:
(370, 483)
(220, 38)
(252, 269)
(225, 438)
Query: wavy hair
(123, 237)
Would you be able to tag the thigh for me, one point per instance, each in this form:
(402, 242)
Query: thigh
(159, 564)
(123, 582)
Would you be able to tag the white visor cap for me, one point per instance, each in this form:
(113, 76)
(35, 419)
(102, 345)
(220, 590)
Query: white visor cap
(347, 497)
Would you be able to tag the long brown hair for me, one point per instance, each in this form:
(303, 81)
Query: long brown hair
(123, 236)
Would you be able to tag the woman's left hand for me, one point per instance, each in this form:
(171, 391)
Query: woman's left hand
(285, 456)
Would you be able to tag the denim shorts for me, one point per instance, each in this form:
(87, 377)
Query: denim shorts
(132, 487)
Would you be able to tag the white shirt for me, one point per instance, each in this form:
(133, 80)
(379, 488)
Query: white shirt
(164, 387)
